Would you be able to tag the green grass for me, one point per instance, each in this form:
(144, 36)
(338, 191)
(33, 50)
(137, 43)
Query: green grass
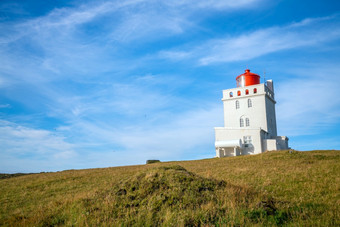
(273, 188)
(7, 175)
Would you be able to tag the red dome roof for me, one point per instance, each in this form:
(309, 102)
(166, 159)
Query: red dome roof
(247, 73)
(247, 79)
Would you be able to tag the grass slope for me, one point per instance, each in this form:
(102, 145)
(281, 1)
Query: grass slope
(273, 188)
(7, 175)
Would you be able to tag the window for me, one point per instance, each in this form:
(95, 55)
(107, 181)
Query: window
(247, 141)
(249, 103)
(238, 93)
(241, 122)
(255, 90)
(231, 94)
(237, 104)
(247, 92)
(244, 121)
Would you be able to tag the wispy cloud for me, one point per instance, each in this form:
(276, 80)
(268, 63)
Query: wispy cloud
(307, 105)
(130, 15)
(5, 106)
(175, 55)
(63, 42)
(309, 32)
(215, 4)
(20, 142)
(25, 138)
(169, 137)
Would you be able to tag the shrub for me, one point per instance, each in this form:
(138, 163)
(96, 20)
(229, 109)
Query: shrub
(152, 161)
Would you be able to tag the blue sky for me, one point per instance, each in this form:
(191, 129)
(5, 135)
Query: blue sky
(86, 84)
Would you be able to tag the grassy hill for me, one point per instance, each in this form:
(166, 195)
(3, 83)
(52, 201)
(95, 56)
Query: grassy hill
(273, 188)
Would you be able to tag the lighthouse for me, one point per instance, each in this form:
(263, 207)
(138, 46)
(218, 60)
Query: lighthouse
(249, 119)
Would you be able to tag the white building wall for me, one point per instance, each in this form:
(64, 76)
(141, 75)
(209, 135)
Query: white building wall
(269, 144)
(223, 134)
(261, 113)
(282, 142)
(270, 117)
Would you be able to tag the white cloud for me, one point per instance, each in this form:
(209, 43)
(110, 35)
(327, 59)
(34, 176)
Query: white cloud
(60, 44)
(128, 19)
(16, 140)
(309, 32)
(169, 138)
(4, 82)
(67, 17)
(5, 106)
(215, 4)
(173, 138)
(175, 55)
(308, 105)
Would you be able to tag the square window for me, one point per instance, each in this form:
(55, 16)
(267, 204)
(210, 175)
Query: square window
(247, 139)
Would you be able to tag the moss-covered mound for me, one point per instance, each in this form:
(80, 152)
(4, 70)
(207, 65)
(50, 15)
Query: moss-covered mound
(159, 196)
(173, 196)
(167, 187)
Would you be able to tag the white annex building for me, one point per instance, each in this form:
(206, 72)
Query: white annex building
(249, 119)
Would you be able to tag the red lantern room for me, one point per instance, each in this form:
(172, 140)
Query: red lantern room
(247, 79)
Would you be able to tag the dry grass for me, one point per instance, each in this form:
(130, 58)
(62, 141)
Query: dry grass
(274, 188)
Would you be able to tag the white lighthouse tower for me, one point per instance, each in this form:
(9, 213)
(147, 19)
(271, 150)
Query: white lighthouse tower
(249, 119)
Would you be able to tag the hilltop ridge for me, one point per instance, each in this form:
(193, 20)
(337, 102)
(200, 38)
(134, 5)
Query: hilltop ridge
(273, 188)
